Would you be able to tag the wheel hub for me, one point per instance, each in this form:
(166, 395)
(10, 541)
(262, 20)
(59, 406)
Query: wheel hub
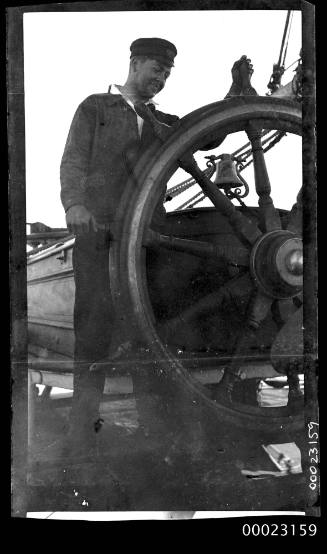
(277, 264)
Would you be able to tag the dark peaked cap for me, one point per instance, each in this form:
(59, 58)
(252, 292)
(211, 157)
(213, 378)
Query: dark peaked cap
(157, 48)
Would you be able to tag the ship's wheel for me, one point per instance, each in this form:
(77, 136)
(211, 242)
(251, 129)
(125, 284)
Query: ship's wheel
(269, 285)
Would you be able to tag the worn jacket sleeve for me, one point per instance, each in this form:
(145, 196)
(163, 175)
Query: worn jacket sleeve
(77, 154)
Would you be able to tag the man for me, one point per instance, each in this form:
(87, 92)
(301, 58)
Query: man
(105, 140)
(106, 137)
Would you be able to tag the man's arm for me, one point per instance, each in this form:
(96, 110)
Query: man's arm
(74, 168)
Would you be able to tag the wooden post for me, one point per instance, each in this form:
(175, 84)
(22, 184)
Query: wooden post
(18, 303)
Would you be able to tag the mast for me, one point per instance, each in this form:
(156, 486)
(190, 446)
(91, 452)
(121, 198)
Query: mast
(279, 67)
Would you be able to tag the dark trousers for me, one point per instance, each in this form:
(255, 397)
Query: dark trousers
(94, 325)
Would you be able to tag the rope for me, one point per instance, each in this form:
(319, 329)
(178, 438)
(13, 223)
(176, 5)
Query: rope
(182, 206)
(298, 60)
(184, 185)
(248, 144)
(279, 136)
(178, 189)
(248, 152)
(202, 197)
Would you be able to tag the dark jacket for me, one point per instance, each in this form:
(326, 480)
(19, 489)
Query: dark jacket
(102, 143)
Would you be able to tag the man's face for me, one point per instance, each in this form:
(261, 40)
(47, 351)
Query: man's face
(150, 77)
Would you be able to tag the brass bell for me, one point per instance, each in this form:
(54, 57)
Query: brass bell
(226, 175)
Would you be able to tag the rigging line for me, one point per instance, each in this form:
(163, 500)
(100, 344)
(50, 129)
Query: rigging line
(287, 40)
(189, 200)
(202, 197)
(190, 182)
(248, 143)
(248, 152)
(298, 60)
(283, 39)
(278, 137)
(184, 185)
(272, 140)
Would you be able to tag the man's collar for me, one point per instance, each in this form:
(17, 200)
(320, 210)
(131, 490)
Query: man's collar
(114, 90)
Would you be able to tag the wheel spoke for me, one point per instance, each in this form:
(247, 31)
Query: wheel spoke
(258, 311)
(269, 215)
(295, 221)
(282, 310)
(245, 228)
(238, 255)
(242, 226)
(239, 286)
(288, 343)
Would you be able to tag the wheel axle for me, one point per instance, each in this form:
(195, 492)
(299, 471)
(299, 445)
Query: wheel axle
(276, 264)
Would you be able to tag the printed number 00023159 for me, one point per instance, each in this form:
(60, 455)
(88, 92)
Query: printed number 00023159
(313, 435)
(280, 530)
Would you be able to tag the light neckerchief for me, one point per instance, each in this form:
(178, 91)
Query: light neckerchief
(113, 89)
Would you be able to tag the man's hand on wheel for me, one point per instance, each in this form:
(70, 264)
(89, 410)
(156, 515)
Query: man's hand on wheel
(242, 71)
(79, 220)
